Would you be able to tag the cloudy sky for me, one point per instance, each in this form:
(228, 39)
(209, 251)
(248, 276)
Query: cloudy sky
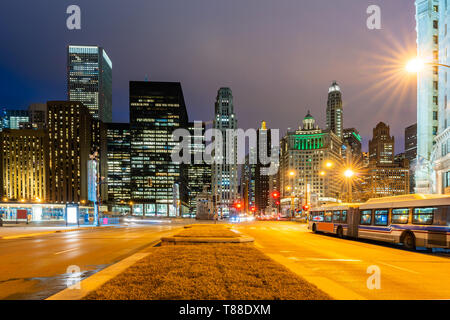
(278, 56)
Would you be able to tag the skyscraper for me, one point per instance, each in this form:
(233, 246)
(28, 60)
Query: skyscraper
(441, 147)
(261, 176)
(119, 163)
(335, 119)
(411, 153)
(199, 174)
(24, 165)
(427, 26)
(385, 176)
(352, 139)
(70, 144)
(158, 185)
(381, 147)
(225, 174)
(304, 153)
(89, 79)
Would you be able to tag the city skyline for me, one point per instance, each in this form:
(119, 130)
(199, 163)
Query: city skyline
(291, 95)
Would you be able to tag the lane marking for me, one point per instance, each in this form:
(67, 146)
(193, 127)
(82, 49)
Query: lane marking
(324, 259)
(399, 268)
(68, 250)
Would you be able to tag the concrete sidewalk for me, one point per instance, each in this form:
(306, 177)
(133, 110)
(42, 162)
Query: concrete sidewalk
(10, 232)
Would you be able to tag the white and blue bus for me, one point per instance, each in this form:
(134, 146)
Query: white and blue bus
(413, 220)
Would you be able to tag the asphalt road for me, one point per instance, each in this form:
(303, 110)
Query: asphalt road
(37, 267)
(340, 266)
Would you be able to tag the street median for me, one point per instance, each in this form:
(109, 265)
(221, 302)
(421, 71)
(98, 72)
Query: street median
(206, 262)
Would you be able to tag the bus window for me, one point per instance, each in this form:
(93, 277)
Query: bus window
(336, 216)
(381, 217)
(400, 216)
(328, 216)
(366, 217)
(318, 216)
(344, 216)
(423, 215)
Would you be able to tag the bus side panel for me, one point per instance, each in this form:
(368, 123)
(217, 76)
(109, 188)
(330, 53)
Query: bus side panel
(353, 222)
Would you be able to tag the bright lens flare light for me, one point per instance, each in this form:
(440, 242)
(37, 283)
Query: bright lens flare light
(415, 65)
(349, 173)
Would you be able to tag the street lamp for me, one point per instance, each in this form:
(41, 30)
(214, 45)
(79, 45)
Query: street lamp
(416, 65)
(349, 174)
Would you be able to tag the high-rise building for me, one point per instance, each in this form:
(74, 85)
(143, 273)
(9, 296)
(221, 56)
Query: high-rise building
(262, 192)
(89, 80)
(411, 142)
(24, 165)
(37, 115)
(70, 144)
(199, 174)
(158, 185)
(387, 174)
(429, 27)
(304, 153)
(335, 121)
(15, 119)
(225, 174)
(411, 153)
(381, 147)
(119, 163)
(440, 157)
(352, 140)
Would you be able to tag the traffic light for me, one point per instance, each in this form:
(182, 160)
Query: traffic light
(275, 194)
(253, 209)
(306, 207)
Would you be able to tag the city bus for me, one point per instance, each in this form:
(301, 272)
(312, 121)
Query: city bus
(412, 220)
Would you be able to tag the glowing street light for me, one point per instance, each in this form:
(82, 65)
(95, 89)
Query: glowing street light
(349, 173)
(323, 173)
(416, 65)
(329, 164)
(291, 173)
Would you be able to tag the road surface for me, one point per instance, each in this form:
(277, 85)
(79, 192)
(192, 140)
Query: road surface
(340, 266)
(37, 267)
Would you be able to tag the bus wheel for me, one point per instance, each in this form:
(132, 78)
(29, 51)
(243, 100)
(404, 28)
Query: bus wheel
(340, 232)
(409, 241)
(314, 228)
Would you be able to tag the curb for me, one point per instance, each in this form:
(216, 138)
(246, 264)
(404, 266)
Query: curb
(26, 235)
(82, 289)
(186, 240)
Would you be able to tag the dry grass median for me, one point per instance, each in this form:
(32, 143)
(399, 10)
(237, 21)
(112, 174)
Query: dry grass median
(207, 272)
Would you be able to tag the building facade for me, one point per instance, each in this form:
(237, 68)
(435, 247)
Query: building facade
(387, 174)
(70, 143)
(428, 48)
(199, 174)
(335, 116)
(158, 185)
(304, 153)
(352, 140)
(89, 80)
(119, 163)
(411, 153)
(381, 147)
(225, 174)
(24, 165)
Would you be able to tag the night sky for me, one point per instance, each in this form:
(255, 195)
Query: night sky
(278, 56)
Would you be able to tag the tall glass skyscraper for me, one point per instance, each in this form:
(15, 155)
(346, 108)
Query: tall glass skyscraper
(119, 163)
(158, 185)
(225, 175)
(89, 79)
